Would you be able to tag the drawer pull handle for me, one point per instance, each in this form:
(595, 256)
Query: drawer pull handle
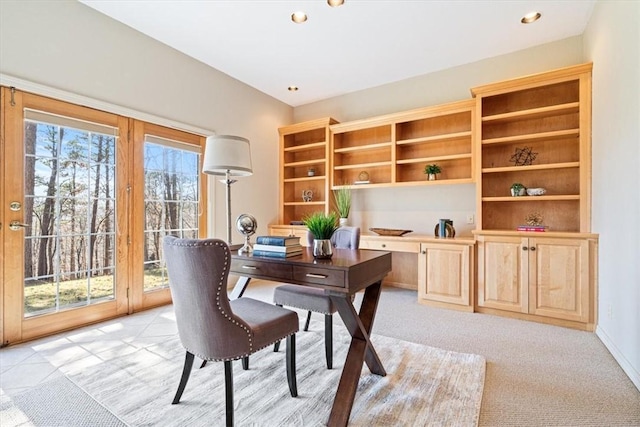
(249, 267)
(317, 276)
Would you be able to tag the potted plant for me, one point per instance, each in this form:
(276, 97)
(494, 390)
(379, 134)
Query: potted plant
(518, 189)
(321, 226)
(431, 171)
(342, 197)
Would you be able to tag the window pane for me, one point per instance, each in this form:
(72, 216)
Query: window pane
(70, 204)
(171, 204)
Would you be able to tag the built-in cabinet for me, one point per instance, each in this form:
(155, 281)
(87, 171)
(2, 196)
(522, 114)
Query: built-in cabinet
(446, 273)
(536, 131)
(394, 149)
(304, 169)
(548, 277)
(533, 130)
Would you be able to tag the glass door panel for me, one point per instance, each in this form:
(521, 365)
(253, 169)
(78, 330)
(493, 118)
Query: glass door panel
(61, 179)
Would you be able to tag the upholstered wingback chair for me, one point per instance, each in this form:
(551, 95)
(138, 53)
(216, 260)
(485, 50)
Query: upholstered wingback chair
(214, 328)
(313, 299)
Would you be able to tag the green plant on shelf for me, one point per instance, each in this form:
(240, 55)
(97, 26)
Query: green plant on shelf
(342, 197)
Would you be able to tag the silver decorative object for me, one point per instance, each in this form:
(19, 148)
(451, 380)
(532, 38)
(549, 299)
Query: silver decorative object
(247, 225)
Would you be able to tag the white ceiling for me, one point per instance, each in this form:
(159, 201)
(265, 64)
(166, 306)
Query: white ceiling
(362, 44)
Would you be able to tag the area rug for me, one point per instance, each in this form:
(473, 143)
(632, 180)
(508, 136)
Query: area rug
(424, 386)
(55, 403)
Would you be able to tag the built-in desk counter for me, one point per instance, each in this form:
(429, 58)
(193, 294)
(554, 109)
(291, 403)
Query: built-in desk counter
(442, 270)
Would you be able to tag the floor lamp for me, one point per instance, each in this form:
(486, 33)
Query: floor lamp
(228, 156)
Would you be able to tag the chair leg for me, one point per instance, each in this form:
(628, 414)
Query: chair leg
(328, 339)
(276, 346)
(291, 365)
(245, 363)
(228, 391)
(306, 324)
(186, 371)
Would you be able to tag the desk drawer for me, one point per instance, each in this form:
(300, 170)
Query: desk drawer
(256, 268)
(319, 276)
(390, 245)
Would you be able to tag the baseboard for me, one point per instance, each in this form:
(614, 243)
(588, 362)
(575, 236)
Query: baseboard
(626, 366)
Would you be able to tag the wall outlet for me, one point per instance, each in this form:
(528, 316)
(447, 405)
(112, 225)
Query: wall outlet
(471, 218)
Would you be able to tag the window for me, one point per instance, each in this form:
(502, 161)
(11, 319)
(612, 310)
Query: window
(171, 196)
(69, 205)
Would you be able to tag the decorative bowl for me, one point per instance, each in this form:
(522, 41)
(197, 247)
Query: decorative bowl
(536, 191)
(390, 231)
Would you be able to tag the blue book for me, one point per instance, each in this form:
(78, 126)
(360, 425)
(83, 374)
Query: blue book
(276, 254)
(278, 240)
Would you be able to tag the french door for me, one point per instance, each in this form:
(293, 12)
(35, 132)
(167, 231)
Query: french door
(86, 198)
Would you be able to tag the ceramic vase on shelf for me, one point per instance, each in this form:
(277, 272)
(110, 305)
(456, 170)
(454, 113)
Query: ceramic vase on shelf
(322, 249)
(343, 222)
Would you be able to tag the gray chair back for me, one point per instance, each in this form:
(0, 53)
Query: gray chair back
(343, 238)
(198, 272)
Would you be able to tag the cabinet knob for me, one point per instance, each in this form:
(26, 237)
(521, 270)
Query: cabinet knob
(384, 245)
(532, 248)
(423, 252)
(524, 248)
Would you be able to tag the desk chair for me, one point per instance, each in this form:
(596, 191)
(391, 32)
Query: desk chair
(314, 299)
(214, 328)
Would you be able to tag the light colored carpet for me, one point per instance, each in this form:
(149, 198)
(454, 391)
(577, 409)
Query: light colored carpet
(55, 403)
(424, 386)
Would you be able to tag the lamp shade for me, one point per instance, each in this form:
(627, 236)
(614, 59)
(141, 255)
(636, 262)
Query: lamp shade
(224, 153)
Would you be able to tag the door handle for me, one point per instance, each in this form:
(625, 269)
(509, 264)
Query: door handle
(17, 225)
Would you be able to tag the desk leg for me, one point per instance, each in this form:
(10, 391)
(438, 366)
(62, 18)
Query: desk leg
(240, 287)
(360, 350)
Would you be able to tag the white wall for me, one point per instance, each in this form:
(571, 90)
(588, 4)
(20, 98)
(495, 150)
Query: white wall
(69, 46)
(612, 42)
(419, 208)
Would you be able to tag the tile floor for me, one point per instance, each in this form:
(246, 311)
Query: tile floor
(26, 365)
(23, 366)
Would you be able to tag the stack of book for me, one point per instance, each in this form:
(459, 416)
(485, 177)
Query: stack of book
(277, 246)
(532, 228)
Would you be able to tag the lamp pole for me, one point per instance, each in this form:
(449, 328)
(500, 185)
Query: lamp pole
(228, 181)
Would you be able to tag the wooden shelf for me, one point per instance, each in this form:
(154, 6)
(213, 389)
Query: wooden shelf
(305, 147)
(308, 178)
(534, 113)
(436, 138)
(362, 165)
(522, 199)
(550, 113)
(316, 203)
(363, 147)
(532, 167)
(391, 148)
(433, 159)
(542, 136)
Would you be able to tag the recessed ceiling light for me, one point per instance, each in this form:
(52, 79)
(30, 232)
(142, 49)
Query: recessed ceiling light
(298, 17)
(530, 17)
(335, 3)
(292, 88)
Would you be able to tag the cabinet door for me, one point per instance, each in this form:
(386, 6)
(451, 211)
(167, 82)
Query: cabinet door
(502, 273)
(443, 273)
(559, 278)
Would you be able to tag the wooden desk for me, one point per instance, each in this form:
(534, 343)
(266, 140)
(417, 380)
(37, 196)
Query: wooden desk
(346, 273)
